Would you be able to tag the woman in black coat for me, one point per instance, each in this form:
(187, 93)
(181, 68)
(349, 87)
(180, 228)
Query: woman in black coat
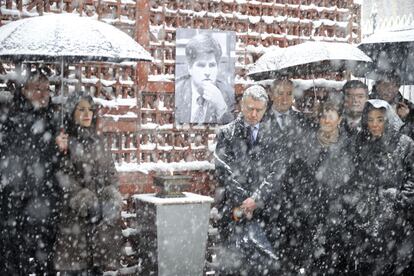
(383, 187)
(317, 182)
(89, 236)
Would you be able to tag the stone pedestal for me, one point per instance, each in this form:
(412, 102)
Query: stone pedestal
(173, 233)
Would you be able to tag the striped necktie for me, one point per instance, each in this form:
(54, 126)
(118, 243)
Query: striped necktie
(199, 114)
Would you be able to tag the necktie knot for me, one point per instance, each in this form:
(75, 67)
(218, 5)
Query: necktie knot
(282, 120)
(353, 124)
(199, 114)
(251, 134)
(200, 100)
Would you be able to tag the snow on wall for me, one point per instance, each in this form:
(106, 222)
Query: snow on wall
(132, 102)
(165, 31)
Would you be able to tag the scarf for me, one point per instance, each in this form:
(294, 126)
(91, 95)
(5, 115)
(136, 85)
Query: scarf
(327, 139)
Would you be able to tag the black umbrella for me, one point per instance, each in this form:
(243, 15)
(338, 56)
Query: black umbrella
(391, 52)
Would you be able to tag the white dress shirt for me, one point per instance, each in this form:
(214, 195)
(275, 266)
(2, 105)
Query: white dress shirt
(279, 118)
(255, 130)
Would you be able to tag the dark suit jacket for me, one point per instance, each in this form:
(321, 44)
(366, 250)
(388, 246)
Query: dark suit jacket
(345, 129)
(183, 102)
(245, 170)
(297, 128)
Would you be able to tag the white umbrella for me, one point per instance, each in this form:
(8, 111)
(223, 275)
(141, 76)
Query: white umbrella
(68, 36)
(308, 58)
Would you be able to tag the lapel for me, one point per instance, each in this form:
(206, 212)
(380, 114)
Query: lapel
(210, 113)
(264, 133)
(240, 142)
(187, 100)
(183, 100)
(274, 125)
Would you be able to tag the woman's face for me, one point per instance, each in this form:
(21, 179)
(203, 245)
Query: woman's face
(376, 122)
(329, 121)
(83, 114)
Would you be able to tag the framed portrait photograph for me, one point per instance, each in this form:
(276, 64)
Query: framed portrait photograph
(204, 76)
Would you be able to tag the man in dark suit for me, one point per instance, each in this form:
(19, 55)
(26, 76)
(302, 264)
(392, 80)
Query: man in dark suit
(289, 129)
(355, 96)
(244, 171)
(286, 122)
(200, 97)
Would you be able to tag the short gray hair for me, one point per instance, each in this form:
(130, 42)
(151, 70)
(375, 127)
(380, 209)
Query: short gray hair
(257, 92)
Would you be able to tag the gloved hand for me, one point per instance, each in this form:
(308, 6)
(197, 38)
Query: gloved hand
(388, 194)
(111, 204)
(85, 203)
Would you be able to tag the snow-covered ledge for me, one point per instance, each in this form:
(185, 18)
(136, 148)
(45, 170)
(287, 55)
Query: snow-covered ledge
(165, 167)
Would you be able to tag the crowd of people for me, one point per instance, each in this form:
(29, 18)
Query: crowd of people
(330, 194)
(327, 192)
(59, 198)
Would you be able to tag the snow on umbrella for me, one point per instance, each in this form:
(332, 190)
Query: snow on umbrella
(68, 36)
(391, 52)
(308, 58)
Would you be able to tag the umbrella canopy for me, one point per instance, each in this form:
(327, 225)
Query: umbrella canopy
(391, 52)
(53, 37)
(308, 58)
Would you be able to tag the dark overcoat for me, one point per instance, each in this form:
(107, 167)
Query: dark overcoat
(29, 192)
(89, 232)
(319, 178)
(382, 201)
(246, 170)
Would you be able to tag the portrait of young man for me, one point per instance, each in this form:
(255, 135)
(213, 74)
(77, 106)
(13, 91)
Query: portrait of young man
(204, 90)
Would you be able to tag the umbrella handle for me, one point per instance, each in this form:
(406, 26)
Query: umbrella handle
(62, 132)
(62, 109)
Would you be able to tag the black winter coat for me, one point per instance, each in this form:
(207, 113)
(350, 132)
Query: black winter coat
(297, 129)
(383, 200)
(89, 233)
(317, 183)
(245, 170)
(29, 192)
(347, 130)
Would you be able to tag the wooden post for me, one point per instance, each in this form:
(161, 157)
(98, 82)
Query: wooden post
(142, 37)
(142, 21)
